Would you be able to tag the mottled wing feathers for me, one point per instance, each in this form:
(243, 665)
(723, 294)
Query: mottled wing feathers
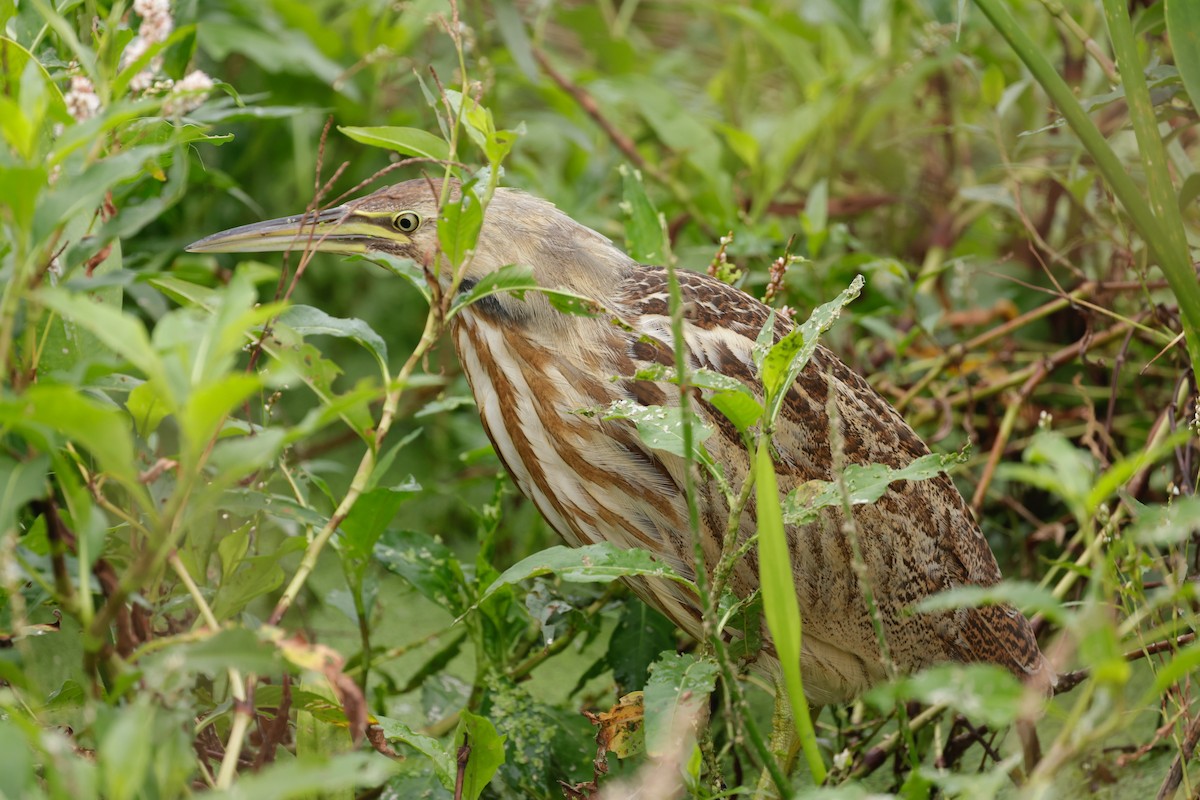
(919, 539)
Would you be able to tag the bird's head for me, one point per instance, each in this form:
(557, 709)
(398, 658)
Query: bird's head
(402, 220)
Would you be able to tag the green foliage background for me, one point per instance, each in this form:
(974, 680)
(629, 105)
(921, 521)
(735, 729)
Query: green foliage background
(182, 432)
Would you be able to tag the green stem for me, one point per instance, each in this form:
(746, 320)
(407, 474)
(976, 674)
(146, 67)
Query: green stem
(1159, 223)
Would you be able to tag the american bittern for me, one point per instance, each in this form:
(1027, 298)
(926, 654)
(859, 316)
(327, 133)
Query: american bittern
(532, 368)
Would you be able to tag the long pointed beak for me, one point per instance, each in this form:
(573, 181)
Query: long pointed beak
(338, 230)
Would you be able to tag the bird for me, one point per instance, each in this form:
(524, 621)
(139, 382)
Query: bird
(532, 368)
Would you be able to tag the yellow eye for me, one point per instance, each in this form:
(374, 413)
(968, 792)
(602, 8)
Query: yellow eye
(406, 222)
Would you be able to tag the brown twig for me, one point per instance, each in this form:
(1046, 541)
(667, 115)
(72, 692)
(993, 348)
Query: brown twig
(1175, 773)
(277, 730)
(464, 755)
(1069, 680)
(590, 107)
(1002, 436)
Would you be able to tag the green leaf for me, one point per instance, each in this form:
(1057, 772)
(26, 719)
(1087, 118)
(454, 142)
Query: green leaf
(309, 321)
(121, 333)
(21, 482)
(458, 229)
(316, 737)
(254, 577)
(1182, 665)
(1112, 479)
(81, 194)
(728, 395)
(984, 693)
(788, 357)
(516, 39)
(409, 141)
(237, 648)
(592, 563)
(209, 405)
(404, 268)
(1183, 29)
(443, 762)
(1167, 524)
(1028, 597)
(514, 279)
(126, 747)
(661, 427)
(645, 236)
(676, 694)
(295, 778)
(1052, 463)
(371, 515)
(485, 756)
(100, 429)
(427, 564)
(640, 635)
(780, 605)
(865, 483)
(743, 615)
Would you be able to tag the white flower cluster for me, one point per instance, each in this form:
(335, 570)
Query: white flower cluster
(188, 94)
(81, 99)
(156, 26)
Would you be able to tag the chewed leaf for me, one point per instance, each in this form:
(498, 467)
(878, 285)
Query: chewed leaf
(644, 231)
(865, 483)
(661, 427)
(791, 354)
(591, 564)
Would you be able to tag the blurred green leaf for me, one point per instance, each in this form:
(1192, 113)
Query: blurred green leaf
(232, 648)
(367, 521)
(127, 746)
(21, 482)
(1183, 27)
(1028, 597)
(984, 693)
(293, 779)
(1055, 465)
(1167, 524)
(640, 636)
(122, 334)
(676, 696)
(101, 429)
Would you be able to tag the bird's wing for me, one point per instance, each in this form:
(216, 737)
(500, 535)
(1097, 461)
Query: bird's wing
(919, 539)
